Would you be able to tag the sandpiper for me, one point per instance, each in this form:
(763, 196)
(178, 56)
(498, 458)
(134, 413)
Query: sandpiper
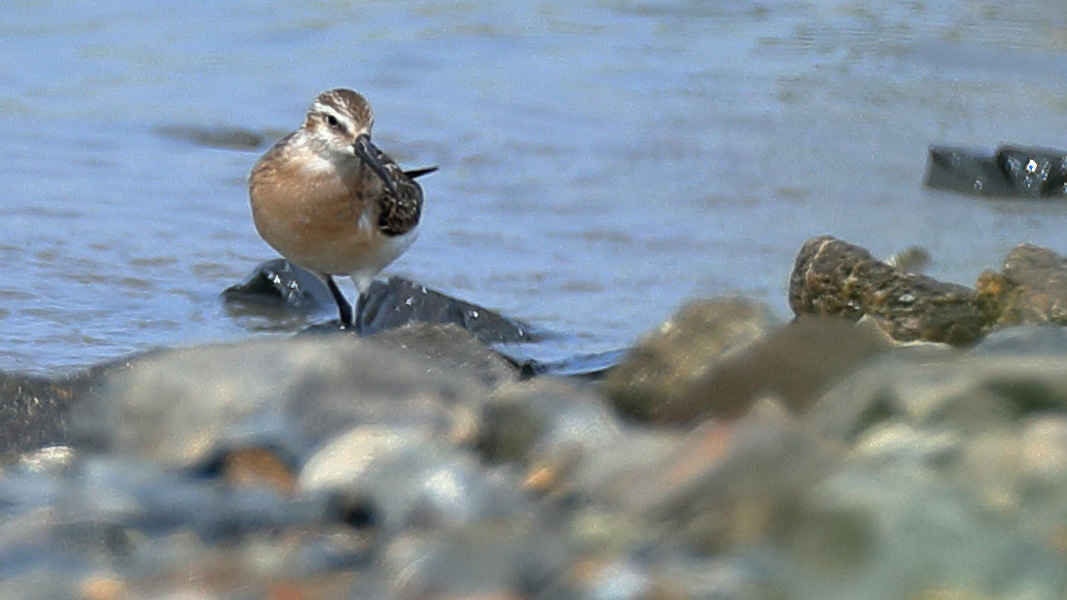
(331, 202)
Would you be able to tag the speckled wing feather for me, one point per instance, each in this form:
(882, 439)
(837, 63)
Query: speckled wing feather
(398, 214)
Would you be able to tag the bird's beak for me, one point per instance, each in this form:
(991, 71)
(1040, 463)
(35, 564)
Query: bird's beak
(366, 152)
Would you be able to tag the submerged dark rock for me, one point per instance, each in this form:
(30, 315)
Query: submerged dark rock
(1013, 171)
(834, 277)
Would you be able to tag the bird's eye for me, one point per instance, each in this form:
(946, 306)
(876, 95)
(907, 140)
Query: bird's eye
(332, 121)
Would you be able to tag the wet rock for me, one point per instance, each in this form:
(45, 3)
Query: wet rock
(450, 346)
(1031, 289)
(1013, 171)
(398, 478)
(187, 408)
(654, 379)
(400, 301)
(833, 277)
(277, 287)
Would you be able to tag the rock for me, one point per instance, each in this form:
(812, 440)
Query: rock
(189, 408)
(796, 363)
(970, 394)
(1013, 171)
(278, 287)
(400, 301)
(450, 346)
(527, 421)
(654, 379)
(1031, 289)
(513, 558)
(34, 410)
(892, 531)
(1024, 340)
(833, 277)
(727, 483)
(398, 478)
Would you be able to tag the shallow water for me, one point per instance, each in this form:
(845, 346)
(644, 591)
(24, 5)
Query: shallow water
(601, 162)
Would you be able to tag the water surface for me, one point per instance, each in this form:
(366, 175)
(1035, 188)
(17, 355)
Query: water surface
(601, 162)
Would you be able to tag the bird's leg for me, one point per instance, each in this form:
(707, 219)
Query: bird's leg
(361, 308)
(342, 304)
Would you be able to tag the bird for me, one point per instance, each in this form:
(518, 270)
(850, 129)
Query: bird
(328, 200)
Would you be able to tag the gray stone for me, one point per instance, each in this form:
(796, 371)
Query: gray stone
(967, 393)
(531, 420)
(185, 408)
(654, 379)
(451, 348)
(398, 478)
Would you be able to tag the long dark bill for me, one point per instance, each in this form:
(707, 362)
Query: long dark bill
(368, 153)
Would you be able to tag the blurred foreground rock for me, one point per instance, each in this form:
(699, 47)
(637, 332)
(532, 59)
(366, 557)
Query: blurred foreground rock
(725, 458)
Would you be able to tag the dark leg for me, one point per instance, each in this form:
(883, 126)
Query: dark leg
(361, 307)
(342, 305)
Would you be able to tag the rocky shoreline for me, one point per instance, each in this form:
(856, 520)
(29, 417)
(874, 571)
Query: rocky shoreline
(901, 438)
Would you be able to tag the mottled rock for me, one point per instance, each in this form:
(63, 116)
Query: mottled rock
(654, 380)
(1013, 171)
(833, 277)
(186, 408)
(1031, 289)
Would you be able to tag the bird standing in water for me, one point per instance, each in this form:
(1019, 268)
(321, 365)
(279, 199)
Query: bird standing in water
(330, 201)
